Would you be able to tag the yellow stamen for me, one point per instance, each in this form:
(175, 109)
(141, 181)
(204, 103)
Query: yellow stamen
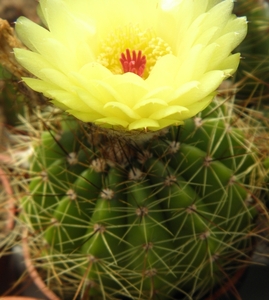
(137, 41)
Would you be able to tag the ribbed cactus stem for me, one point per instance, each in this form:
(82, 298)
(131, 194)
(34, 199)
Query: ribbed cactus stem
(156, 220)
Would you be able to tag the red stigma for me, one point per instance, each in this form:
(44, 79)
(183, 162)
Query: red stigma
(134, 62)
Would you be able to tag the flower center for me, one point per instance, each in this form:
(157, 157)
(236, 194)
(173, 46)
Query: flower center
(134, 63)
(130, 49)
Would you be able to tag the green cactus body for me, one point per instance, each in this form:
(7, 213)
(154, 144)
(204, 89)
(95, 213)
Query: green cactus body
(169, 224)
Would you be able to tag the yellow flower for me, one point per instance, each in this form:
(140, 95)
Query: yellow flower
(131, 64)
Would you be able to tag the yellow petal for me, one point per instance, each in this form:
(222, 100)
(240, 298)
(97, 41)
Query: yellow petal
(120, 109)
(150, 105)
(71, 101)
(84, 116)
(32, 61)
(167, 112)
(32, 34)
(198, 106)
(154, 101)
(144, 124)
(164, 72)
(112, 121)
(208, 83)
(39, 85)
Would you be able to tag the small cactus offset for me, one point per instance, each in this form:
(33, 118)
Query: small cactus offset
(169, 219)
(253, 73)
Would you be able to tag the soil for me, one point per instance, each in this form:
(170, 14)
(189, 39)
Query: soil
(11, 9)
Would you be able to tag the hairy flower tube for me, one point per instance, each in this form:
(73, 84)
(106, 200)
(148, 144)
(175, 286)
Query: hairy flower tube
(131, 64)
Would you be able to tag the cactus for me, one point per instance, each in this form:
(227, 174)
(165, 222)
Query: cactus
(252, 75)
(169, 214)
(169, 218)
